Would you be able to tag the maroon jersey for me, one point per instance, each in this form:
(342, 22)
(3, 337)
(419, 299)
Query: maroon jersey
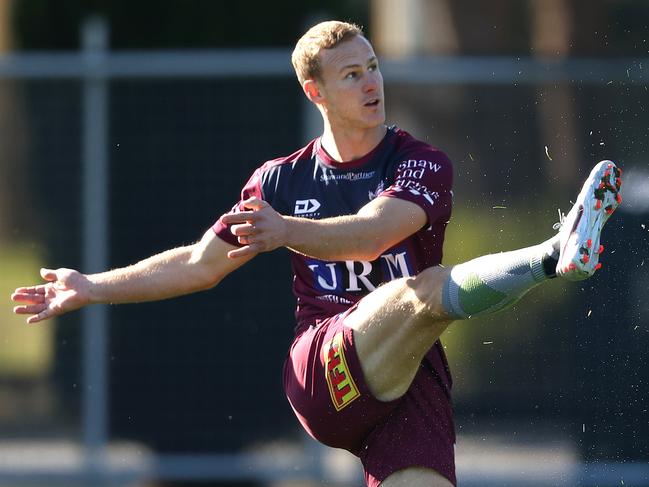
(418, 428)
(310, 184)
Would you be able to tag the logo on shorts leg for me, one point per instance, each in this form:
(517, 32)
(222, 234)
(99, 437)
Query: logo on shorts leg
(342, 388)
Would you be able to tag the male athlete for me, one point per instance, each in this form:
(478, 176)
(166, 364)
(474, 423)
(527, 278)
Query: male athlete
(363, 209)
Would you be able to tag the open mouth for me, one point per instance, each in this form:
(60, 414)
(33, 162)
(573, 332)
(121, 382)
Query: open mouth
(372, 103)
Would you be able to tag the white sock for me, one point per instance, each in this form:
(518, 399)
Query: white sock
(494, 282)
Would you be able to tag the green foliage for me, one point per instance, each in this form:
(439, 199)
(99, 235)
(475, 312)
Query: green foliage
(25, 350)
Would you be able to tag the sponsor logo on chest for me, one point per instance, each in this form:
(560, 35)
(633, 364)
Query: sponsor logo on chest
(413, 168)
(359, 276)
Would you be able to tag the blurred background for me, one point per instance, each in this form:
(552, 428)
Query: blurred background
(127, 128)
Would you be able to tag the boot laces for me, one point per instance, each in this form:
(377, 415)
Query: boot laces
(562, 218)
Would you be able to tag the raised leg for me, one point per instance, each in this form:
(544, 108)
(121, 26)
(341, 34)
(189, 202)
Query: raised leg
(395, 325)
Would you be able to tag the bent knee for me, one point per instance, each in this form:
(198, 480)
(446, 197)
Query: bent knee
(428, 288)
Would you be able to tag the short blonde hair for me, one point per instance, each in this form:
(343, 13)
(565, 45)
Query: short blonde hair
(325, 35)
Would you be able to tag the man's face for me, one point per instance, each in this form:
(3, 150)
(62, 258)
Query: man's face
(352, 86)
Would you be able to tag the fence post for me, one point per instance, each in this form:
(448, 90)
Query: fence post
(94, 40)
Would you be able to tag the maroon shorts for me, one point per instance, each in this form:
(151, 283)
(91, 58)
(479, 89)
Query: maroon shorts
(324, 383)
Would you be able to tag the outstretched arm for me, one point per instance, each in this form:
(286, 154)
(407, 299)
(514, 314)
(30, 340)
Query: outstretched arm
(377, 226)
(172, 273)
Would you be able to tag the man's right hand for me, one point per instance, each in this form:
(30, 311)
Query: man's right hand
(260, 229)
(66, 290)
(171, 273)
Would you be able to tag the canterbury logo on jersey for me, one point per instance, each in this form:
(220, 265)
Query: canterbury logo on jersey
(306, 206)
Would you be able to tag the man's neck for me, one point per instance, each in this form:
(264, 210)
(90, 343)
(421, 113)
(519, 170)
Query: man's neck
(347, 146)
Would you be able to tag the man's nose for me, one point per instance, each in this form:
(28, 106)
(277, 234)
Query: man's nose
(372, 81)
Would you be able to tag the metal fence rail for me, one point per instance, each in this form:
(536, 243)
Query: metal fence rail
(63, 464)
(276, 62)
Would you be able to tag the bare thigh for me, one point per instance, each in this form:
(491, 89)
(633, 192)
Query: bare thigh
(416, 477)
(394, 327)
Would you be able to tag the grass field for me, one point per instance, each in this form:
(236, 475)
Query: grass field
(25, 350)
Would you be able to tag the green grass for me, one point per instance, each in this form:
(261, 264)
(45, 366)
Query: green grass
(25, 350)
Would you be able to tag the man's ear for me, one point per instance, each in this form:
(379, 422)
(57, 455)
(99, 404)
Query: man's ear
(312, 91)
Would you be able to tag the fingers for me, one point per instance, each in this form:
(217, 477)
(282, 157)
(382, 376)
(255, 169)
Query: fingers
(248, 250)
(243, 229)
(26, 297)
(34, 298)
(48, 274)
(254, 203)
(40, 289)
(241, 217)
(29, 309)
(250, 236)
(38, 312)
(43, 315)
(32, 293)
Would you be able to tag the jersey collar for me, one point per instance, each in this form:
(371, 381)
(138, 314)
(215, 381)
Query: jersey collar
(323, 156)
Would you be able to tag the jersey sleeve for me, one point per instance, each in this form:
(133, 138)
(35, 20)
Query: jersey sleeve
(252, 188)
(426, 179)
